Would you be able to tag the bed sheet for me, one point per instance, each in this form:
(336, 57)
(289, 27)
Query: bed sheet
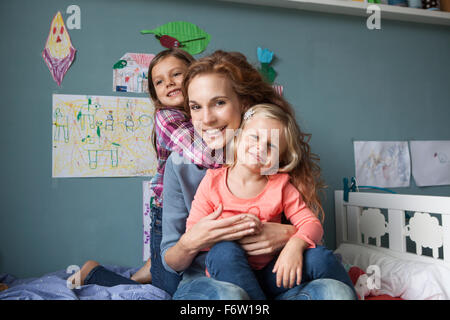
(53, 286)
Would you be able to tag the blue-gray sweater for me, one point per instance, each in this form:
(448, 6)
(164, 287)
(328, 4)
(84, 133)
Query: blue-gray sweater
(181, 181)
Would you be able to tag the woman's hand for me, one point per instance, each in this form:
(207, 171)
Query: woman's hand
(208, 231)
(272, 238)
(290, 262)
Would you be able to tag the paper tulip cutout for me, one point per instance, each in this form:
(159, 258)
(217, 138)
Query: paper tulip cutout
(181, 34)
(265, 57)
(58, 52)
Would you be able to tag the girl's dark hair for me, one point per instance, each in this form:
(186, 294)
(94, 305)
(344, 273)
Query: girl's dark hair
(172, 52)
(252, 89)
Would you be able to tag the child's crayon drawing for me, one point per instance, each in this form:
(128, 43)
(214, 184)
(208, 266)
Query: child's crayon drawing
(382, 163)
(58, 53)
(101, 136)
(130, 73)
(431, 162)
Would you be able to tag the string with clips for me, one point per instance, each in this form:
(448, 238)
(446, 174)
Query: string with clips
(355, 188)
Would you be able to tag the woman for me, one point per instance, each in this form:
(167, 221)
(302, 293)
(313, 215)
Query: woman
(218, 89)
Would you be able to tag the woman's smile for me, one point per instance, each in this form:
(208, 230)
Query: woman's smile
(212, 133)
(215, 108)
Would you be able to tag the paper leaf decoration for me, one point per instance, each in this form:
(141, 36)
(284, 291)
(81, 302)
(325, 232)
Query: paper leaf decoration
(184, 35)
(58, 52)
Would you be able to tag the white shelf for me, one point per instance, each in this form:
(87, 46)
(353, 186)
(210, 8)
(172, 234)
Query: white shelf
(357, 9)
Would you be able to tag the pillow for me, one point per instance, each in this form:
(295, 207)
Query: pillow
(410, 280)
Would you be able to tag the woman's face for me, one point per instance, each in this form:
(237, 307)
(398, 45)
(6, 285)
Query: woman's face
(167, 78)
(215, 108)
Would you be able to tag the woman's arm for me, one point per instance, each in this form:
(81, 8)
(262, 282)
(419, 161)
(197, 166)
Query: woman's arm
(175, 212)
(272, 238)
(205, 234)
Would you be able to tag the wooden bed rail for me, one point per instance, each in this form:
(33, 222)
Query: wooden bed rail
(372, 215)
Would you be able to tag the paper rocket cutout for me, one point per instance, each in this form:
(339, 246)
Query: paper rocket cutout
(58, 52)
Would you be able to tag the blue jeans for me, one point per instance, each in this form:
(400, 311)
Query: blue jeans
(227, 261)
(161, 278)
(201, 287)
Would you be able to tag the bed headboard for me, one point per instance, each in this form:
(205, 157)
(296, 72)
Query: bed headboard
(396, 223)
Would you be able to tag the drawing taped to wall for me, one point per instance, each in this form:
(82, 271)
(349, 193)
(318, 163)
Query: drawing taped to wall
(130, 72)
(58, 53)
(101, 136)
(382, 163)
(431, 162)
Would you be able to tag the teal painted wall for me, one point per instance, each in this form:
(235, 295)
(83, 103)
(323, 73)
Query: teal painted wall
(346, 82)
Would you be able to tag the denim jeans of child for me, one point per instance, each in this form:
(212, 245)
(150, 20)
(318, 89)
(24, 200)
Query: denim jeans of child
(161, 278)
(227, 261)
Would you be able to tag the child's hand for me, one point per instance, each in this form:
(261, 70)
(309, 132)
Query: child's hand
(290, 262)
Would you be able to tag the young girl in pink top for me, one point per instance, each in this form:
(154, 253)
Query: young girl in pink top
(257, 183)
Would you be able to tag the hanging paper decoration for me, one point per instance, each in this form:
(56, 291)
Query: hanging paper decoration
(169, 42)
(58, 52)
(278, 88)
(181, 34)
(265, 57)
(130, 72)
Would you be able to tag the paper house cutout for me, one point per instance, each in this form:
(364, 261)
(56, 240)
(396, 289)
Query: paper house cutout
(131, 74)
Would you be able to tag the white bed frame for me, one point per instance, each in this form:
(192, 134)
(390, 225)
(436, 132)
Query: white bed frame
(360, 219)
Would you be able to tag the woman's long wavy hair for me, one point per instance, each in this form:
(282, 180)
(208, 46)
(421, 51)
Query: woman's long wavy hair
(172, 52)
(252, 89)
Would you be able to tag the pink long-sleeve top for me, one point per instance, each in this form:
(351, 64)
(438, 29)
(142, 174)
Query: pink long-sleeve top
(278, 196)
